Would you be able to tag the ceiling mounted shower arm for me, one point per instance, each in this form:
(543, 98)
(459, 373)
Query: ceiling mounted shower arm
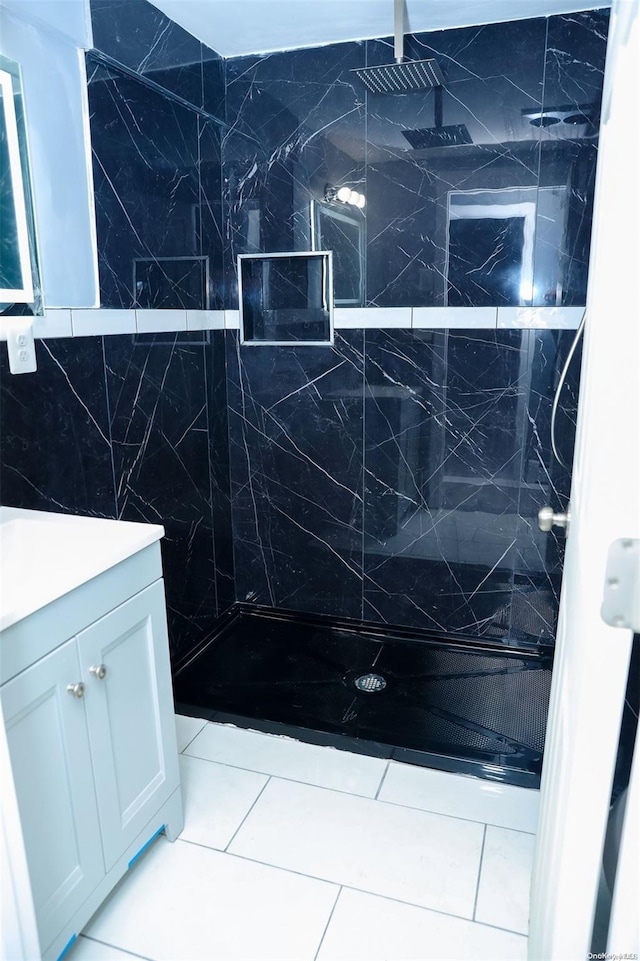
(403, 76)
(399, 28)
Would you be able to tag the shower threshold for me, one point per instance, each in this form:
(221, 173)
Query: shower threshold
(454, 704)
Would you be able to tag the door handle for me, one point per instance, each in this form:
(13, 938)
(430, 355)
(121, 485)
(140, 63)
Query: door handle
(547, 518)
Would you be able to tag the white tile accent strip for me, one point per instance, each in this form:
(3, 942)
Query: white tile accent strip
(286, 758)
(87, 323)
(412, 856)
(55, 323)
(65, 322)
(469, 318)
(366, 927)
(160, 321)
(489, 802)
(205, 320)
(358, 317)
(543, 318)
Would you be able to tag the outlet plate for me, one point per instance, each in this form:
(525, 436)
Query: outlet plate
(22, 348)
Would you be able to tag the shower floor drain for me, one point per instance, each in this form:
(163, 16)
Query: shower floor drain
(371, 683)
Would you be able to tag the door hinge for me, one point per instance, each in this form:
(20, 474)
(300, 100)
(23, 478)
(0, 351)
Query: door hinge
(621, 600)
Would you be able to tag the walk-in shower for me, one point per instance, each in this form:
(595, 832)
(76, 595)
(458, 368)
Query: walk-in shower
(439, 702)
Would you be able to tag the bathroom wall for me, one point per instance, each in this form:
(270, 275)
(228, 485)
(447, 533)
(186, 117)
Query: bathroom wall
(156, 160)
(396, 476)
(524, 95)
(134, 427)
(44, 38)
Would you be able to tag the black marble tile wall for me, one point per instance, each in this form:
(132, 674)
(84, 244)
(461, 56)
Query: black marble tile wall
(145, 160)
(131, 428)
(156, 160)
(574, 70)
(296, 435)
(55, 438)
(457, 462)
(142, 38)
(478, 193)
(450, 431)
(303, 117)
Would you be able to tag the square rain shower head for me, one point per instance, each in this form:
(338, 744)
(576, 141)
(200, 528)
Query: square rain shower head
(401, 77)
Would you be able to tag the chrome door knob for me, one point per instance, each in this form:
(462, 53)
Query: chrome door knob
(99, 671)
(547, 518)
(76, 689)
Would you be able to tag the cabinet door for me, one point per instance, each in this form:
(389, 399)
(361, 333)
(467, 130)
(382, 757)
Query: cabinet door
(130, 716)
(51, 762)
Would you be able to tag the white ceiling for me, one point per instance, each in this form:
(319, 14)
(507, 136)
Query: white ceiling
(237, 27)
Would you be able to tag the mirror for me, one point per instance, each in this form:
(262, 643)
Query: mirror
(20, 292)
(343, 233)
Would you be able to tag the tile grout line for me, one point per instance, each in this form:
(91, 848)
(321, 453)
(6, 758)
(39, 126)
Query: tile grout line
(116, 947)
(259, 795)
(292, 780)
(207, 404)
(382, 780)
(364, 797)
(475, 900)
(189, 743)
(326, 927)
(351, 887)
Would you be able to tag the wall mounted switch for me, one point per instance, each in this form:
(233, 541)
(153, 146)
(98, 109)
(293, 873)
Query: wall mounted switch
(22, 348)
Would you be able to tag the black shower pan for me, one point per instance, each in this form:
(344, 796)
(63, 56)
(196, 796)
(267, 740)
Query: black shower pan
(443, 702)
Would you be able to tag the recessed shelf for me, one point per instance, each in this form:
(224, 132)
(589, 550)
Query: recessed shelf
(286, 298)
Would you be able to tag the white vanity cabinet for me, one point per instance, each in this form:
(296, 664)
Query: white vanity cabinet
(88, 714)
(124, 665)
(52, 772)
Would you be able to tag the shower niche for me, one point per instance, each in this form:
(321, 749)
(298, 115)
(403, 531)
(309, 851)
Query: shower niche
(286, 298)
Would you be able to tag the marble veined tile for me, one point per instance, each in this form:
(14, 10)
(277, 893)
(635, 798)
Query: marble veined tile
(425, 859)
(186, 729)
(185, 901)
(286, 758)
(365, 927)
(216, 800)
(505, 879)
(477, 799)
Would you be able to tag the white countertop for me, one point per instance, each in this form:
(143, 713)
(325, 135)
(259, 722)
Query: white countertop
(44, 556)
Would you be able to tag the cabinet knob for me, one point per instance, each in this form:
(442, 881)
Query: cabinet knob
(76, 689)
(99, 671)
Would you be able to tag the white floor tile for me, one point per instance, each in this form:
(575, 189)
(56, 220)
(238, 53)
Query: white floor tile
(422, 858)
(284, 757)
(365, 927)
(182, 902)
(186, 729)
(505, 879)
(216, 800)
(86, 950)
(462, 797)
